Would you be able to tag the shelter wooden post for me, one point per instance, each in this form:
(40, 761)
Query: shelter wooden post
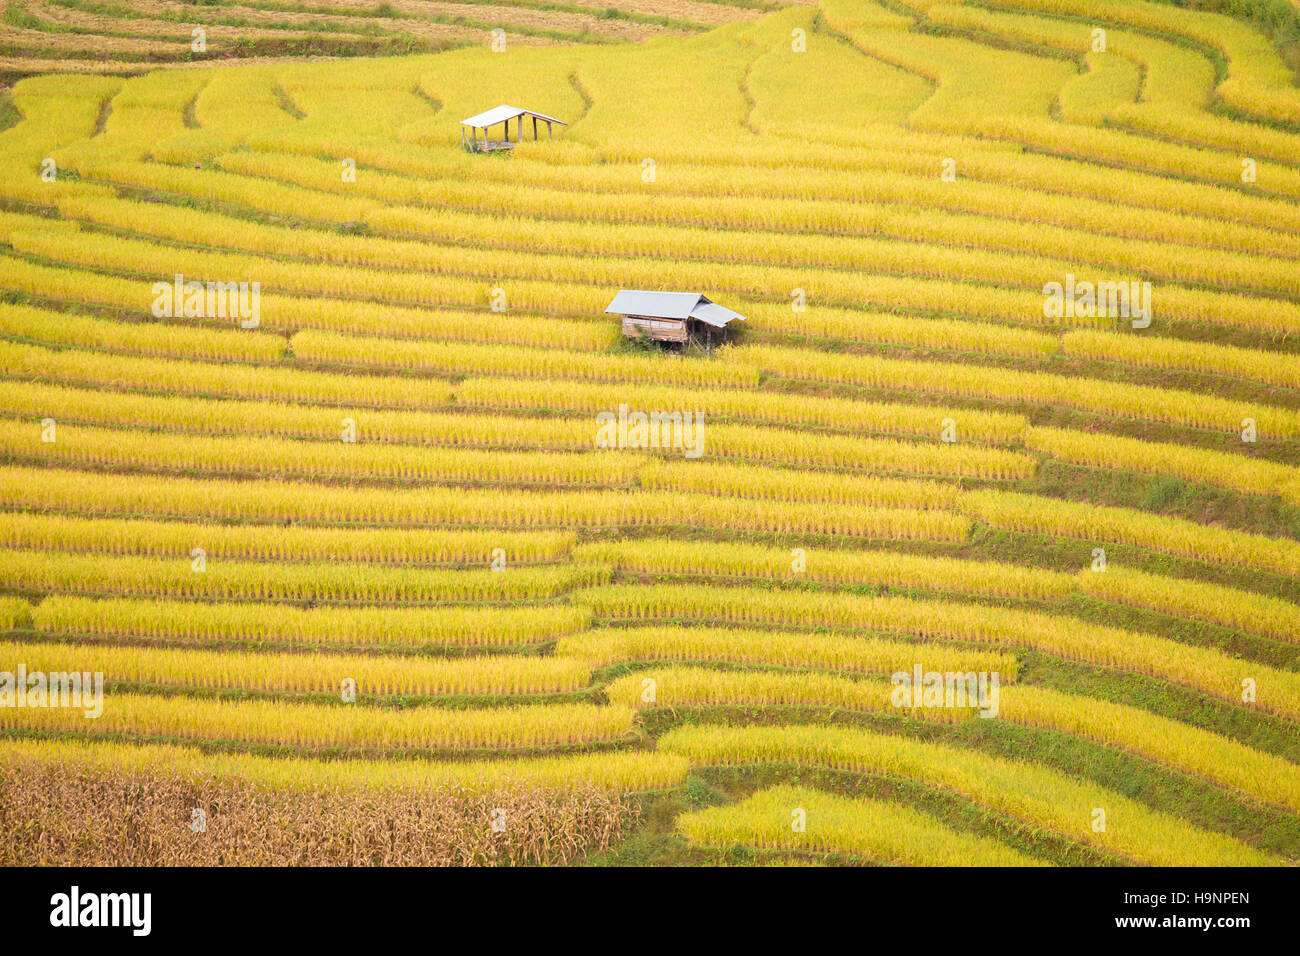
(501, 116)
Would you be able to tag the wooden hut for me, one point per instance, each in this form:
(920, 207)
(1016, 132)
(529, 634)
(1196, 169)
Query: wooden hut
(503, 116)
(680, 317)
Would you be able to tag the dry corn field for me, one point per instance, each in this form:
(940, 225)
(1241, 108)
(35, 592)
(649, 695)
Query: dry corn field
(336, 508)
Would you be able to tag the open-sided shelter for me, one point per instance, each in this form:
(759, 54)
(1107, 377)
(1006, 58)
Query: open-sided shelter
(502, 116)
(671, 316)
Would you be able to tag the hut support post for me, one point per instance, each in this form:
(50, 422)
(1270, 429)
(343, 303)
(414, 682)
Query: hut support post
(534, 129)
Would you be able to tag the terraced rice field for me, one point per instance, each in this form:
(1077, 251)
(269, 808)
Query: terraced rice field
(357, 555)
(119, 37)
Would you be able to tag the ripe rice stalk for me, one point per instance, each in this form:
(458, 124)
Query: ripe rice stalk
(87, 445)
(58, 109)
(740, 405)
(597, 242)
(87, 407)
(1011, 385)
(1177, 84)
(889, 569)
(363, 267)
(1002, 204)
(887, 833)
(1033, 177)
(1261, 776)
(247, 623)
(262, 543)
(229, 109)
(144, 111)
(282, 419)
(309, 727)
(1199, 600)
(585, 251)
(1201, 668)
(279, 502)
(1271, 368)
(785, 484)
(936, 459)
(218, 185)
(427, 274)
(883, 173)
(857, 655)
(582, 250)
(186, 668)
(89, 369)
(189, 575)
(1010, 111)
(1249, 476)
(1010, 511)
(544, 281)
(15, 222)
(906, 331)
(869, 232)
(622, 772)
(293, 313)
(456, 358)
(1028, 792)
(1257, 80)
(15, 613)
(701, 687)
(143, 338)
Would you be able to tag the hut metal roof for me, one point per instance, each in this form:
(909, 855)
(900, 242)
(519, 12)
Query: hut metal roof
(499, 114)
(672, 305)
